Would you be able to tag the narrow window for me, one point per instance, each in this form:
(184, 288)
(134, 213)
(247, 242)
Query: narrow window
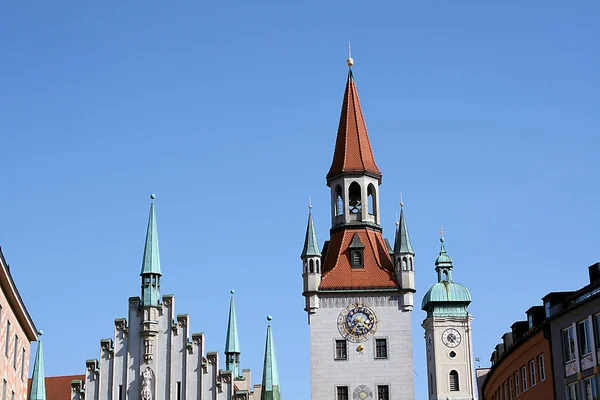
(311, 263)
(568, 343)
(454, 381)
(383, 392)
(178, 390)
(355, 203)
(340, 350)
(591, 392)
(357, 259)
(410, 263)
(511, 389)
(318, 267)
(15, 352)
(541, 367)
(381, 348)
(573, 393)
(7, 337)
(371, 201)
(530, 321)
(505, 391)
(583, 331)
(517, 391)
(339, 203)
(120, 392)
(524, 376)
(342, 393)
(404, 264)
(532, 381)
(23, 364)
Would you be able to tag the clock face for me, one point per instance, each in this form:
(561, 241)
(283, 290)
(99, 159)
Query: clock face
(357, 323)
(451, 337)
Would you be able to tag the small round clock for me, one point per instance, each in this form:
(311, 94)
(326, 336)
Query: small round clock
(357, 323)
(451, 337)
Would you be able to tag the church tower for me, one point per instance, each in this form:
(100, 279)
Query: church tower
(448, 335)
(358, 300)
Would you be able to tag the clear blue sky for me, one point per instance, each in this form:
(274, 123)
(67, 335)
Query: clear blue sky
(484, 114)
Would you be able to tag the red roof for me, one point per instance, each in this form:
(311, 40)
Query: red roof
(378, 271)
(352, 147)
(58, 387)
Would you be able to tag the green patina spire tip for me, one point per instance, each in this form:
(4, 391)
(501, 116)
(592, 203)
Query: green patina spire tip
(151, 259)
(270, 380)
(38, 384)
(232, 344)
(402, 242)
(311, 245)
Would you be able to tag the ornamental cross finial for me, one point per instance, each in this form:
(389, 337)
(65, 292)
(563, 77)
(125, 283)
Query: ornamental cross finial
(442, 232)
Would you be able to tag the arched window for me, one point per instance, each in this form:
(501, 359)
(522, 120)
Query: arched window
(305, 266)
(410, 262)
(339, 201)
(454, 381)
(371, 201)
(404, 267)
(445, 275)
(318, 266)
(357, 258)
(312, 266)
(355, 203)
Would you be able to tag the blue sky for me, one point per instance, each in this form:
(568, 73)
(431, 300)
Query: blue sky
(484, 114)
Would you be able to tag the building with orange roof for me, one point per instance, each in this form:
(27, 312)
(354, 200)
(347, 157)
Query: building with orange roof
(358, 289)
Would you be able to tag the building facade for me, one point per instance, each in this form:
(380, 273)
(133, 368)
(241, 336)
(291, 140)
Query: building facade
(17, 331)
(152, 354)
(358, 289)
(448, 335)
(574, 329)
(522, 362)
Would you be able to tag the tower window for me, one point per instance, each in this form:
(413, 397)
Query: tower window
(357, 258)
(454, 381)
(383, 392)
(371, 200)
(381, 348)
(410, 263)
(342, 393)
(341, 352)
(312, 266)
(404, 264)
(339, 201)
(355, 203)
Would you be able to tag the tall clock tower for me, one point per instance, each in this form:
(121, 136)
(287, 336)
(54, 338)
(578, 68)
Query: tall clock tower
(358, 289)
(448, 335)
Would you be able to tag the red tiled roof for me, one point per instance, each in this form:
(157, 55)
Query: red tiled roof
(378, 271)
(352, 147)
(58, 387)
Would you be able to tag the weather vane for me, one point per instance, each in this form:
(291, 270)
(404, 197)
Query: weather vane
(442, 232)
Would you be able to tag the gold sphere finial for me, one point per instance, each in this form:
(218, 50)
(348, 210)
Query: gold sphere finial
(350, 61)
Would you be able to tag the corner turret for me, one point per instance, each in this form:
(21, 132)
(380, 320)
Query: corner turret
(311, 261)
(232, 343)
(270, 379)
(404, 262)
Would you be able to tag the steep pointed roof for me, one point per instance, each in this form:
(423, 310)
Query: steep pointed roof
(402, 242)
(38, 386)
(270, 379)
(151, 259)
(352, 147)
(232, 343)
(311, 245)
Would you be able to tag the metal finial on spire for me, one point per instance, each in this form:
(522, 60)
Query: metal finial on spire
(269, 318)
(232, 292)
(309, 202)
(397, 221)
(152, 196)
(441, 233)
(401, 202)
(350, 60)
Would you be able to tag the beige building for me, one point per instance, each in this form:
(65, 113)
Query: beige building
(17, 331)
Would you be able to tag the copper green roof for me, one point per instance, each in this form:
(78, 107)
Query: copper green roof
(402, 242)
(447, 292)
(151, 259)
(443, 260)
(232, 343)
(38, 385)
(311, 245)
(270, 380)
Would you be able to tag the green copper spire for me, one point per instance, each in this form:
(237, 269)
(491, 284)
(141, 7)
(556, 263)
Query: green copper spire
(270, 380)
(443, 264)
(402, 242)
(38, 384)
(311, 245)
(151, 263)
(232, 343)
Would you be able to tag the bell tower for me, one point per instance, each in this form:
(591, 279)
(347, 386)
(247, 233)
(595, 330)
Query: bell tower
(358, 305)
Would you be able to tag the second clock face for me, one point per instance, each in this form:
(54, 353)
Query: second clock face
(451, 337)
(357, 323)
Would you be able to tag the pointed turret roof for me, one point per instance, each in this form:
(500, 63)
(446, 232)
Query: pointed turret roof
(311, 245)
(151, 259)
(38, 384)
(270, 380)
(232, 343)
(352, 147)
(402, 242)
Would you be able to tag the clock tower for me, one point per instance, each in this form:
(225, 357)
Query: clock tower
(448, 335)
(358, 289)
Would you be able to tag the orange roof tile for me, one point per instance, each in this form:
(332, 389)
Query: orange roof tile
(58, 387)
(378, 271)
(352, 147)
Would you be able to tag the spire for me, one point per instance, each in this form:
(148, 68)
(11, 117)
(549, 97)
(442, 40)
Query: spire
(443, 264)
(151, 260)
(311, 245)
(402, 242)
(38, 384)
(352, 147)
(270, 380)
(232, 343)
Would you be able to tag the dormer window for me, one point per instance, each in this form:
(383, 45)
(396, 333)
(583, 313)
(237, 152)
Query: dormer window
(357, 258)
(356, 249)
